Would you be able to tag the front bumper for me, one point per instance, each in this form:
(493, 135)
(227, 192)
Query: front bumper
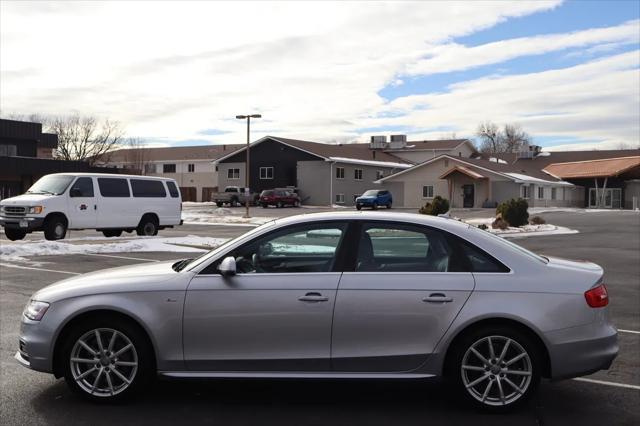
(25, 223)
(35, 349)
(366, 202)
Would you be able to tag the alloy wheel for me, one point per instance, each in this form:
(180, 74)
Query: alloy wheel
(496, 370)
(104, 362)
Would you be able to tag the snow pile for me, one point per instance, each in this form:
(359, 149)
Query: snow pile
(16, 251)
(523, 231)
(202, 214)
(497, 160)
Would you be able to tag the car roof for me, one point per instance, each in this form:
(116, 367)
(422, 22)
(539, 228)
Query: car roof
(112, 175)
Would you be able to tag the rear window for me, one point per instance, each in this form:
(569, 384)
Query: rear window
(267, 193)
(479, 260)
(173, 189)
(113, 187)
(148, 188)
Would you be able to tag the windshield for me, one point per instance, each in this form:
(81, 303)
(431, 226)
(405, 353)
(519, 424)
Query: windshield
(267, 193)
(370, 193)
(51, 184)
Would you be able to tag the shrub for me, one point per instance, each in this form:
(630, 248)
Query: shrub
(499, 223)
(514, 212)
(438, 206)
(537, 220)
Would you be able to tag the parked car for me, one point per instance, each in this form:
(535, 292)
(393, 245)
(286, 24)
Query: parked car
(374, 198)
(235, 196)
(418, 297)
(279, 198)
(106, 202)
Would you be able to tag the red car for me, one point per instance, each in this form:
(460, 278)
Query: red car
(279, 198)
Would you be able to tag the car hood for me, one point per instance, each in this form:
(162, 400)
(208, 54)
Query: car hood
(26, 199)
(367, 197)
(144, 277)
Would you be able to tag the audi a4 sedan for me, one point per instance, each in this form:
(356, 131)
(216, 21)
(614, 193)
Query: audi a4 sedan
(331, 295)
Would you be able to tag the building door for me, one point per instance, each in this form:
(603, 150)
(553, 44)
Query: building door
(468, 195)
(189, 193)
(612, 198)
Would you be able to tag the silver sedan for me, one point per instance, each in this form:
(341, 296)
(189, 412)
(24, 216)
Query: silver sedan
(332, 295)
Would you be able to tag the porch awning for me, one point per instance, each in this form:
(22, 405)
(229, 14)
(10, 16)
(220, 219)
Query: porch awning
(609, 167)
(465, 171)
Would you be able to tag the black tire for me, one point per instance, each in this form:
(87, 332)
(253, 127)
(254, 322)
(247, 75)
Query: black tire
(358, 207)
(148, 226)
(55, 227)
(142, 354)
(388, 205)
(112, 233)
(296, 203)
(265, 205)
(374, 206)
(280, 204)
(14, 234)
(234, 202)
(219, 204)
(496, 376)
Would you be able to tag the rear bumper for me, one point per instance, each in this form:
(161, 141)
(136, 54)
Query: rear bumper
(578, 351)
(32, 223)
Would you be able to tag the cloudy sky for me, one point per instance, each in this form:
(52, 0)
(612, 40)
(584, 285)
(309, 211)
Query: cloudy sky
(177, 73)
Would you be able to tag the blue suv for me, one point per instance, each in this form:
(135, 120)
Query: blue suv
(374, 198)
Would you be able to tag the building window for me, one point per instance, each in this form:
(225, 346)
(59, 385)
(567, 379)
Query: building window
(524, 191)
(191, 168)
(379, 174)
(8, 150)
(427, 191)
(540, 192)
(233, 174)
(446, 162)
(149, 168)
(339, 172)
(168, 168)
(266, 172)
(357, 174)
(339, 198)
(553, 193)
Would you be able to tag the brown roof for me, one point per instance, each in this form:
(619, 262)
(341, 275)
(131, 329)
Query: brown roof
(609, 167)
(463, 170)
(203, 152)
(438, 145)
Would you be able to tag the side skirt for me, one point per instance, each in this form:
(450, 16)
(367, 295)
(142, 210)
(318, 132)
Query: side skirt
(290, 375)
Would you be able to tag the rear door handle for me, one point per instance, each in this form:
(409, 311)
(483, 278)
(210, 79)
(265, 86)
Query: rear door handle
(438, 298)
(313, 297)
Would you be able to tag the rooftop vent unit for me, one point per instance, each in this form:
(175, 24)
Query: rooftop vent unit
(398, 141)
(378, 142)
(529, 151)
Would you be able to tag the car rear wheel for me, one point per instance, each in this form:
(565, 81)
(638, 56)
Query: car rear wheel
(296, 203)
(14, 234)
(374, 206)
(280, 204)
(112, 232)
(389, 205)
(55, 228)
(107, 360)
(495, 369)
(148, 226)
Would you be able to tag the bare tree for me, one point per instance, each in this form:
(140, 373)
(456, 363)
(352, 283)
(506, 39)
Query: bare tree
(136, 155)
(514, 138)
(85, 138)
(491, 138)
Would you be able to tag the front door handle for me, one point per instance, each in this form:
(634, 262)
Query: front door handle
(313, 297)
(438, 298)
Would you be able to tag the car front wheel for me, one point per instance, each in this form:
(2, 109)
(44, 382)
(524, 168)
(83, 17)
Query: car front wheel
(107, 361)
(495, 369)
(14, 234)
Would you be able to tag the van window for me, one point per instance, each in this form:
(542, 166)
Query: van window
(113, 187)
(82, 187)
(147, 188)
(173, 190)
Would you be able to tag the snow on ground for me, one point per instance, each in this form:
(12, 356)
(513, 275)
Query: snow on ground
(538, 210)
(523, 231)
(208, 214)
(16, 251)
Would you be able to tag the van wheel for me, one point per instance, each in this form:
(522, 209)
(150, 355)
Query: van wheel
(219, 204)
(148, 226)
(112, 233)
(14, 234)
(55, 227)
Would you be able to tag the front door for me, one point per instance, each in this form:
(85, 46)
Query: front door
(275, 314)
(403, 295)
(83, 204)
(468, 194)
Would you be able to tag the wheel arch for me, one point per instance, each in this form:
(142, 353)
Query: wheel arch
(56, 213)
(515, 323)
(149, 214)
(67, 327)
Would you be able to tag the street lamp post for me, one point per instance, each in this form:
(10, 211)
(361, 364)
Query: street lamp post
(248, 164)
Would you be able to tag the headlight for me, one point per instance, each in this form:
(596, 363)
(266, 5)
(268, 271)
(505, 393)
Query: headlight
(2, 209)
(35, 310)
(36, 209)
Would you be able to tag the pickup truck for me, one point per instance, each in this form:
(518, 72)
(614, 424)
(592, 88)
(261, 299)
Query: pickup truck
(234, 196)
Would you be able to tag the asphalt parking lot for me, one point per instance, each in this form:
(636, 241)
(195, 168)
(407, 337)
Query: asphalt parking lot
(609, 239)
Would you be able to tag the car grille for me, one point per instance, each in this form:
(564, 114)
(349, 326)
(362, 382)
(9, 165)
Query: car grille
(15, 211)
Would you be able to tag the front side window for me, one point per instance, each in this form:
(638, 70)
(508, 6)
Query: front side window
(266, 172)
(339, 172)
(233, 174)
(51, 184)
(427, 191)
(300, 249)
(82, 187)
(357, 174)
(405, 248)
(168, 168)
(148, 188)
(113, 187)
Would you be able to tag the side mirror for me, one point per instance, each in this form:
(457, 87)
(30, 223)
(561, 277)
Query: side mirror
(75, 192)
(227, 267)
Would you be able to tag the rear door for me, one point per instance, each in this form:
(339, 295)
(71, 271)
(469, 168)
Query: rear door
(404, 292)
(83, 203)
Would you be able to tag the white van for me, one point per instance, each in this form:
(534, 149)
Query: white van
(106, 202)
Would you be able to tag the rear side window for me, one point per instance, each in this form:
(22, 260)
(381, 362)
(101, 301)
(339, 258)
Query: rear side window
(82, 187)
(173, 190)
(148, 188)
(113, 187)
(479, 260)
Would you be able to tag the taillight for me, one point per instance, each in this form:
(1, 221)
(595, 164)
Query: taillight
(597, 297)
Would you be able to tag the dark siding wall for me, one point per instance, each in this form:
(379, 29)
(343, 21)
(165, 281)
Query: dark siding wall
(590, 183)
(281, 157)
(25, 148)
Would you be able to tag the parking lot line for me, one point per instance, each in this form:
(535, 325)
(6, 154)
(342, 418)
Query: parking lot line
(6, 265)
(628, 331)
(602, 382)
(120, 257)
